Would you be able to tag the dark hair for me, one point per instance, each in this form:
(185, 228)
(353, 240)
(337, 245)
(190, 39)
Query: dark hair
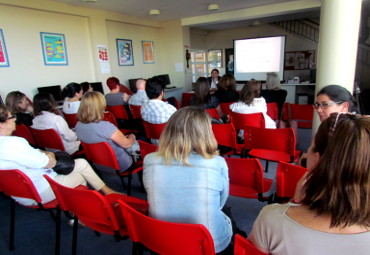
(227, 82)
(250, 91)
(338, 93)
(112, 82)
(43, 102)
(3, 113)
(71, 89)
(215, 70)
(85, 86)
(339, 184)
(202, 92)
(12, 101)
(154, 87)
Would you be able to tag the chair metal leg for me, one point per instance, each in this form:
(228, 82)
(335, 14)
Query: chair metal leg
(129, 183)
(12, 224)
(57, 233)
(74, 238)
(267, 166)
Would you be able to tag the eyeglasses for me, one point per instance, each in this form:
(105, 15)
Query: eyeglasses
(324, 105)
(11, 117)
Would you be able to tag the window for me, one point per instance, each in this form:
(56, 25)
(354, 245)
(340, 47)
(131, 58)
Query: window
(199, 64)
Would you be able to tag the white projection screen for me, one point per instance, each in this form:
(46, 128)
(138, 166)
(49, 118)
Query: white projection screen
(254, 57)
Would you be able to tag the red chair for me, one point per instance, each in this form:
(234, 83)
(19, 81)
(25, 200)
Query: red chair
(270, 144)
(243, 246)
(287, 177)
(118, 111)
(153, 131)
(108, 116)
(240, 120)
(16, 183)
(225, 135)
(48, 138)
(136, 111)
(23, 131)
(273, 111)
(213, 113)
(103, 154)
(70, 119)
(225, 107)
(146, 148)
(175, 101)
(247, 179)
(185, 98)
(302, 113)
(166, 237)
(93, 209)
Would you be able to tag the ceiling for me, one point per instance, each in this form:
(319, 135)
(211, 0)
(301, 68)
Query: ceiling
(178, 9)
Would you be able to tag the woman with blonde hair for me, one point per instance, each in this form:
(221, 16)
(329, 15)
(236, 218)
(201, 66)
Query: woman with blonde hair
(18, 104)
(91, 128)
(331, 214)
(186, 181)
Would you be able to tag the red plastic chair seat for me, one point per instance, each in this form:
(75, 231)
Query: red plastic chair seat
(243, 191)
(243, 246)
(270, 155)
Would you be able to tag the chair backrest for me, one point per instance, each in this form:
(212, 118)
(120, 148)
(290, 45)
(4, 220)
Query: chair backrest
(246, 177)
(213, 113)
(23, 131)
(287, 176)
(225, 107)
(173, 101)
(118, 111)
(136, 111)
(185, 98)
(48, 139)
(146, 148)
(239, 120)
(108, 116)
(101, 153)
(70, 119)
(90, 207)
(281, 139)
(15, 183)
(225, 135)
(243, 246)
(273, 111)
(153, 131)
(167, 237)
(301, 112)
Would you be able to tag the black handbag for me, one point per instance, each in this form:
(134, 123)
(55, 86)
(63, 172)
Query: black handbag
(65, 163)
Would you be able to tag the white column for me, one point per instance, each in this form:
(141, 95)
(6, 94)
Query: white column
(338, 41)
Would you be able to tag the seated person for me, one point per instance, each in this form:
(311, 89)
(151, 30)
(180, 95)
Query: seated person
(86, 87)
(203, 97)
(19, 105)
(16, 153)
(72, 94)
(156, 111)
(214, 79)
(273, 92)
(91, 128)
(226, 92)
(115, 96)
(140, 97)
(186, 181)
(251, 102)
(45, 118)
(332, 213)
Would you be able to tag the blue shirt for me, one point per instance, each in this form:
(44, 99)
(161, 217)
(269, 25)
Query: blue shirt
(190, 194)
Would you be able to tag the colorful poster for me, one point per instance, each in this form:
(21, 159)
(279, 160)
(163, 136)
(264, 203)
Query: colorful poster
(125, 52)
(4, 62)
(103, 59)
(148, 52)
(54, 49)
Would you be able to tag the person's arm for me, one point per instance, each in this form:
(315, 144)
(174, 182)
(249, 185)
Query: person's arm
(125, 97)
(220, 113)
(122, 140)
(65, 132)
(52, 161)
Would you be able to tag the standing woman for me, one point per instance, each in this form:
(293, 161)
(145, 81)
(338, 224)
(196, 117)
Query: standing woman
(91, 128)
(72, 94)
(45, 118)
(186, 181)
(18, 105)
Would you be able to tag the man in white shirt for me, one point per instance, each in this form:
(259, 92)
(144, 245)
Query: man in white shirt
(140, 97)
(156, 111)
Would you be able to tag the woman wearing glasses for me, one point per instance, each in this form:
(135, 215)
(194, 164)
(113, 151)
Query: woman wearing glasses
(333, 98)
(332, 214)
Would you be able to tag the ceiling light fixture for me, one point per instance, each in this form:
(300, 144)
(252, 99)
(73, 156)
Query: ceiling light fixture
(213, 7)
(154, 12)
(90, 0)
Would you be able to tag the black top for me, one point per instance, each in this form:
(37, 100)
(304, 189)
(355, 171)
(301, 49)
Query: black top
(277, 96)
(209, 79)
(24, 118)
(227, 96)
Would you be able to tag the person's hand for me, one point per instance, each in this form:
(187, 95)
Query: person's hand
(131, 136)
(125, 97)
(299, 192)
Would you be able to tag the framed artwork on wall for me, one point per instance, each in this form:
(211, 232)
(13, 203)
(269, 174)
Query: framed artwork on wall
(215, 58)
(54, 49)
(299, 60)
(229, 61)
(4, 61)
(148, 52)
(125, 52)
